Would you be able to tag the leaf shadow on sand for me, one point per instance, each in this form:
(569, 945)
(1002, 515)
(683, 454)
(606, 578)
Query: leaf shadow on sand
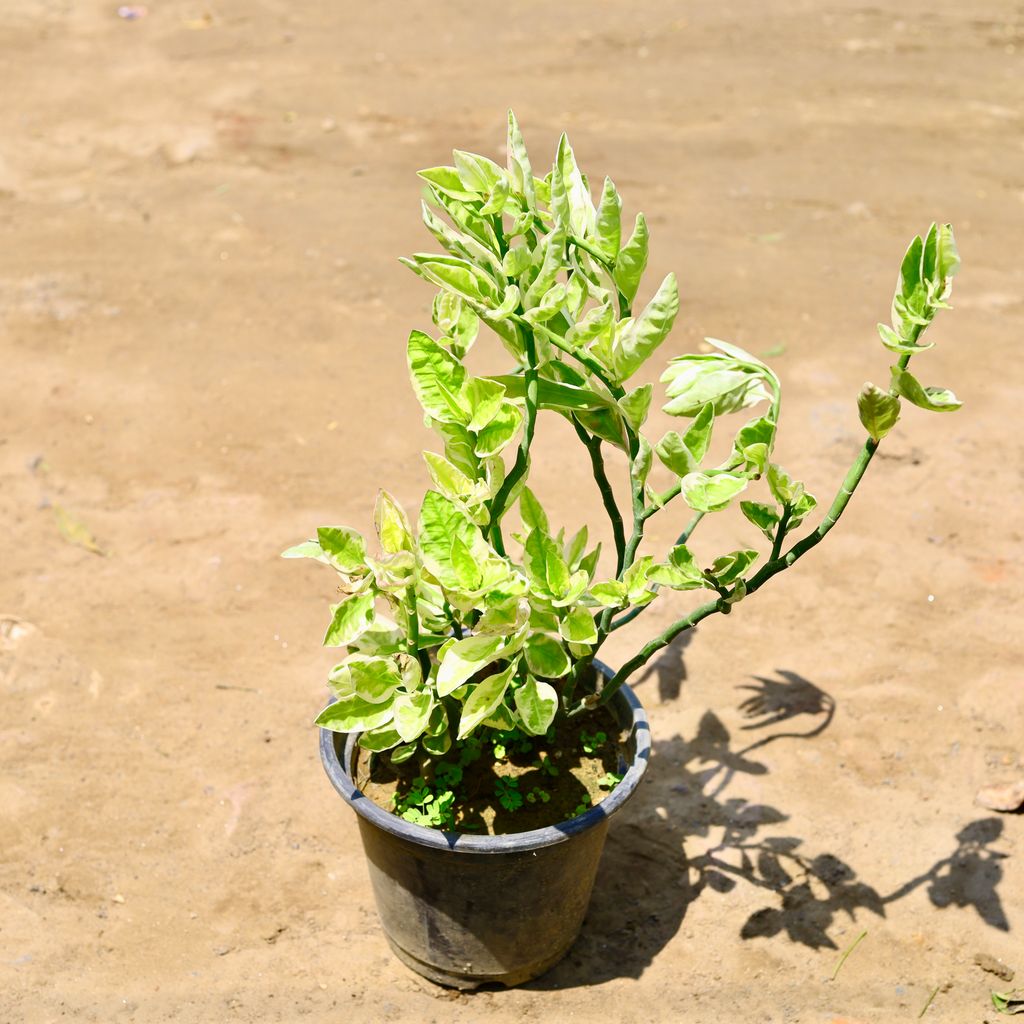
(646, 881)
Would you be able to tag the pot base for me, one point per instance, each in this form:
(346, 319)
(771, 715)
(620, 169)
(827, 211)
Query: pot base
(465, 980)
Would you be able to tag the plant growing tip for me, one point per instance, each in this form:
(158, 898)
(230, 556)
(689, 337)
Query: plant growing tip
(481, 616)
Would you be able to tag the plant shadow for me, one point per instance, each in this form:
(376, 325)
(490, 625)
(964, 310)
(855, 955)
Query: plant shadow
(647, 882)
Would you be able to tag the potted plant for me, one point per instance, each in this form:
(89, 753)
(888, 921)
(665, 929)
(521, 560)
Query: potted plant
(472, 727)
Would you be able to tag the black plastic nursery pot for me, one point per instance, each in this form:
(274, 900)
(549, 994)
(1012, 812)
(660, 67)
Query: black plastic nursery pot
(464, 910)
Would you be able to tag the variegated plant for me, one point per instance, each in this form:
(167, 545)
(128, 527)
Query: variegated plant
(459, 622)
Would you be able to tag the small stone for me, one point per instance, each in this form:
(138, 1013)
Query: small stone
(1006, 796)
(119, 898)
(991, 965)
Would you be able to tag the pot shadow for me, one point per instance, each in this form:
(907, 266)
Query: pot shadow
(646, 881)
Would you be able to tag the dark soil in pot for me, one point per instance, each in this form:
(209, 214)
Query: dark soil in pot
(503, 782)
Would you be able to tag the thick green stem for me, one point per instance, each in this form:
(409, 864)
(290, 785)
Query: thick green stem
(523, 457)
(593, 444)
(770, 569)
(780, 532)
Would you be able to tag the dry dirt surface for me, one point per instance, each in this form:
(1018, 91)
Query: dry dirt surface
(202, 324)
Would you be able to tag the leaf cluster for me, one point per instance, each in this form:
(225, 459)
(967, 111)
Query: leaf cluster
(461, 622)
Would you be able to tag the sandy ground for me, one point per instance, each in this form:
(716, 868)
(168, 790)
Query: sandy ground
(203, 327)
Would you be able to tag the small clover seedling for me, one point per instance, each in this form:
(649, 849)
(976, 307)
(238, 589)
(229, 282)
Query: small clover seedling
(610, 780)
(507, 792)
(465, 623)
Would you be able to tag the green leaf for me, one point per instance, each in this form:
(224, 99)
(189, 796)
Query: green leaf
(439, 745)
(552, 249)
(575, 548)
(447, 180)
(785, 490)
(374, 679)
(764, 517)
(608, 234)
(345, 548)
(459, 445)
(546, 657)
(804, 504)
(680, 572)
(578, 627)
(484, 699)
(570, 199)
(730, 385)
(1010, 1003)
(516, 260)
(412, 712)
(597, 322)
(549, 306)
(698, 437)
(352, 714)
(382, 738)
(551, 394)
(350, 619)
(611, 594)
(520, 172)
(947, 262)
(459, 660)
(728, 568)
(438, 379)
(466, 568)
(500, 431)
(711, 492)
(878, 410)
(636, 404)
(447, 477)
(896, 343)
(635, 340)
(640, 467)
(455, 275)
(392, 524)
(632, 260)
(544, 564)
(637, 578)
(754, 443)
(441, 521)
(932, 399)
(532, 512)
(537, 704)
(457, 320)
(477, 173)
(675, 454)
(307, 549)
(464, 247)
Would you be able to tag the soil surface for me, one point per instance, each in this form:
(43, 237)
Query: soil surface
(203, 325)
(554, 778)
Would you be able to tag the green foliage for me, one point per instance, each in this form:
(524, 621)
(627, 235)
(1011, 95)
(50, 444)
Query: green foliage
(506, 789)
(480, 614)
(610, 780)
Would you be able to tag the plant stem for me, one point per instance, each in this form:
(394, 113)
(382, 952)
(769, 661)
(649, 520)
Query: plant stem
(579, 354)
(770, 569)
(629, 616)
(413, 634)
(609, 268)
(780, 532)
(523, 457)
(593, 444)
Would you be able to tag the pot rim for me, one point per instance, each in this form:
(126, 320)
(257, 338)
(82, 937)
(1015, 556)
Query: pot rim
(512, 842)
